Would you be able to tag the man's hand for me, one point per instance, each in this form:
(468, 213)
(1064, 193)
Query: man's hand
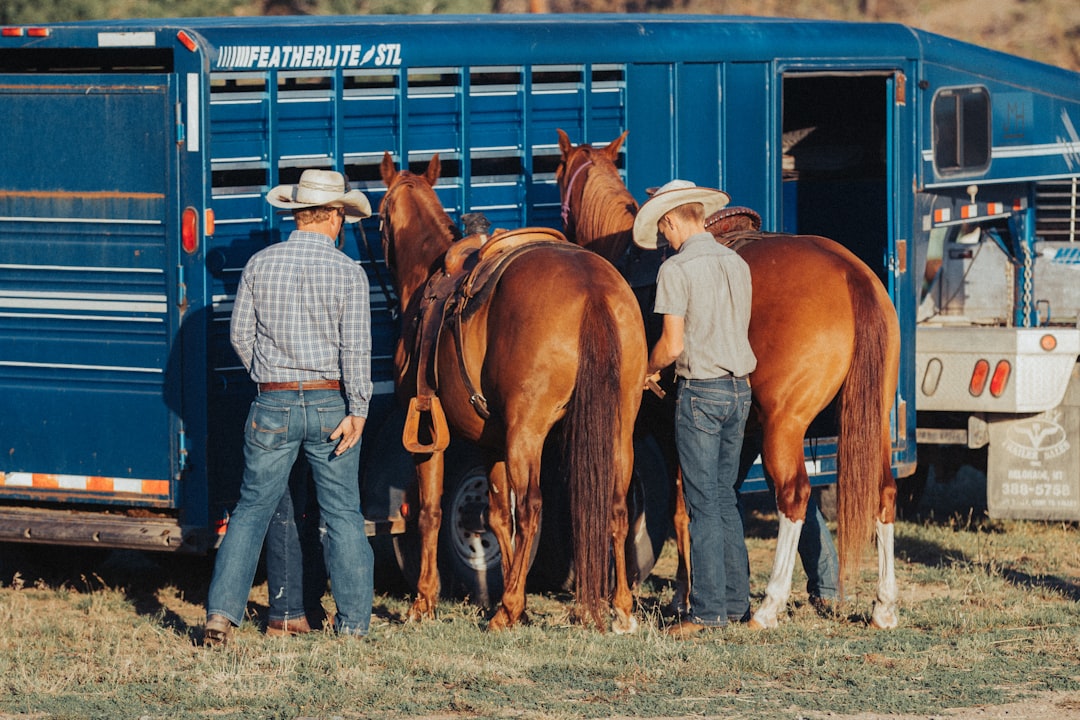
(349, 430)
(652, 382)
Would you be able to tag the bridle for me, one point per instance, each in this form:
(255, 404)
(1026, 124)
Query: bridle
(567, 226)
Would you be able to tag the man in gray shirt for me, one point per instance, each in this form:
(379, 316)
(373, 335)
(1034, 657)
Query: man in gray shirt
(703, 293)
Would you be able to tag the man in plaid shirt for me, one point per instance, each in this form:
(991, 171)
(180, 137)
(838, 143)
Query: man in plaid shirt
(301, 325)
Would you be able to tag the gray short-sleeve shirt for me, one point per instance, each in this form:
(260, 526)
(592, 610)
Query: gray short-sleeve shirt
(708, 285)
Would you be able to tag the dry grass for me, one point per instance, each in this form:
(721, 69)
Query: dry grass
(990, 616)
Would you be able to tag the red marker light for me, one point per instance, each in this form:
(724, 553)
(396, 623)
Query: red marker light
(39, 32)
(12, 32)
(189, 230)
(978, 377)
(187, 41)
(1000, 378)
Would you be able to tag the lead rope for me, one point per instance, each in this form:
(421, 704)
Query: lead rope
(391, 301)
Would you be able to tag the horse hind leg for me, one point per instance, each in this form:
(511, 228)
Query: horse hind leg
(778, 590)
(792, 494)
(885, 614)
(622, 600)
(528, 504)
(500, 514)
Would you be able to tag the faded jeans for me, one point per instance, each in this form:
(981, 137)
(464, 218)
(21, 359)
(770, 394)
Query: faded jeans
(279, 424)
(295, 562)
(818, 555)
(710, 417)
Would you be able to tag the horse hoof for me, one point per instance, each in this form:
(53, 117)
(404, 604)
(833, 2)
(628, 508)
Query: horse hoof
(884, 618)
(624, 626)
(500, 620)
(762, 621)
(419, 611)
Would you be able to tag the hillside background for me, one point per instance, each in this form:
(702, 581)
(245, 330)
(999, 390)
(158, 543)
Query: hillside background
(1044, 30)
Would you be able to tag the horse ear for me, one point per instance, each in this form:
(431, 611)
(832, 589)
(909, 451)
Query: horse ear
(564, 143)
(387, 169)
(612, 149)
(434, 169)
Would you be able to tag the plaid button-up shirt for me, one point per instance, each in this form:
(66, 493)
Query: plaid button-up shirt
(302, 313)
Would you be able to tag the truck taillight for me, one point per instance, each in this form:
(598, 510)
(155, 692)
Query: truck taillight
(189, 230)
(978, 378)
(1000, 378)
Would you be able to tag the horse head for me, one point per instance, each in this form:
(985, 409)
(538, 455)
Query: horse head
(416, 230)
(597, 209)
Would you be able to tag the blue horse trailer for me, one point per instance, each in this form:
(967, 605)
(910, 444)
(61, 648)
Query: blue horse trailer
(137, 155)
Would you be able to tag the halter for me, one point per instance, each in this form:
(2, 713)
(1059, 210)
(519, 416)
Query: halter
(566, 195)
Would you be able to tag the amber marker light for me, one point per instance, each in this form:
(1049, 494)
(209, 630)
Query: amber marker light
(1048, 342)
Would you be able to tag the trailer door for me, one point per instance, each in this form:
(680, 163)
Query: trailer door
(88, 307)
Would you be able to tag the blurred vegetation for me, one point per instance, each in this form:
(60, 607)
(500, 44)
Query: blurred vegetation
(1044, 30)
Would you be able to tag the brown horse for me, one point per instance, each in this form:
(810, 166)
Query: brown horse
(821, 325)
(553, 335)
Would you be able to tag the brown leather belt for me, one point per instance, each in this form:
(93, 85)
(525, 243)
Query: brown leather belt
(305, 385)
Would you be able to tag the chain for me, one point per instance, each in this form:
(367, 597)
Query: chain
(1026, 283)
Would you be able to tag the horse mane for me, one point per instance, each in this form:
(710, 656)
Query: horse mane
(604, 218)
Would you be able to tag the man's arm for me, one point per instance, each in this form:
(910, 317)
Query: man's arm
(668, 348)
(242, 322)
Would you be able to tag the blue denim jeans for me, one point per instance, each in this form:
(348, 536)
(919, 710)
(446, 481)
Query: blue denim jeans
(295, 563)
(710, 417)
(279, 424)
(818, 555)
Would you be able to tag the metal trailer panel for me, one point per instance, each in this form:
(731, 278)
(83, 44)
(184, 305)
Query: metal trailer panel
(88, 289)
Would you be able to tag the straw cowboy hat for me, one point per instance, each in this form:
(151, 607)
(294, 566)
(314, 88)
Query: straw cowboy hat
(321, 187)
(668, 197)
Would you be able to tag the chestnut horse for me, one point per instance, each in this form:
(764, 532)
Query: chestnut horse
(821, 324)
(556, 335)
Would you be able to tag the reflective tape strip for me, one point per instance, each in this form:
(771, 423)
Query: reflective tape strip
(84, 483)
(972, 211)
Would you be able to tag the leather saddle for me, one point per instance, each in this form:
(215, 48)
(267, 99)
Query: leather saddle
(734, 226)
(470, 271)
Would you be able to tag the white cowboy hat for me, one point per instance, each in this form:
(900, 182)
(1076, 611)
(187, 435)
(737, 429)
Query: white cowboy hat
(667, 198)
(321, 187)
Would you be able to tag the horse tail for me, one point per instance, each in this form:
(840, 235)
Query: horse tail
(861, 416)
(589, 438)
